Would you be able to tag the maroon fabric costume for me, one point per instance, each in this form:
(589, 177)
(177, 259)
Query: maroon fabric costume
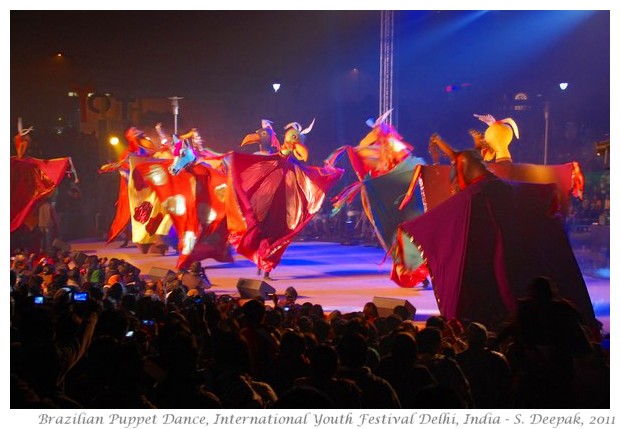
(487, 242)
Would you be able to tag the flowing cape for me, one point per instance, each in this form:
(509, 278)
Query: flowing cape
(433, 183)
(485, 244)
(122, 215)
(31, 180)
(271, 199)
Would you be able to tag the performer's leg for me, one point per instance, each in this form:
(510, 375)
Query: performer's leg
(48, 238)
(126, 235)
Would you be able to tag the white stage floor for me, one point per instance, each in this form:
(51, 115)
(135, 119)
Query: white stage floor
(330, 274)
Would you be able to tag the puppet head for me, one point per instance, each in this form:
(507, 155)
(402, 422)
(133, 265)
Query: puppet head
(294, 138)
(265, 136)
(497, 137)
(184, 156)
(137, 142)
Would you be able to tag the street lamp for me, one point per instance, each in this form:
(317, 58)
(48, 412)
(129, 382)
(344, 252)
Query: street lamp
(276, 87)
(546, 112)
(175, 110)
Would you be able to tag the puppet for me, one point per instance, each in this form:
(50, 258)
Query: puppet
(271, 198)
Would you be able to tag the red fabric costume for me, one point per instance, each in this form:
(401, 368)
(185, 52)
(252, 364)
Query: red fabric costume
(31, 180)
(194, 198)
(271, 199)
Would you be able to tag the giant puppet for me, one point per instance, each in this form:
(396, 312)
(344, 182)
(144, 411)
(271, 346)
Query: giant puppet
(32, 180)
(272, 197)
(259, 202)
(485, 243)
(138, 205)
(192, 190)
(384, 166)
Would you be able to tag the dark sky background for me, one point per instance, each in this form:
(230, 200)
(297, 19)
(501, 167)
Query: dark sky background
(224, 62)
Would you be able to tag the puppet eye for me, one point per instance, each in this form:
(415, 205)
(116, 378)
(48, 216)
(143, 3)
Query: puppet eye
(182, 152)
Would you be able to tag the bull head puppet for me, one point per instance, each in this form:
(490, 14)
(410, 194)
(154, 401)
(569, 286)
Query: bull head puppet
(265, 136)
(294, 138)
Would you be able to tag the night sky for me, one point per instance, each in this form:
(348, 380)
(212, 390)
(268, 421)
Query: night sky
(328, 65)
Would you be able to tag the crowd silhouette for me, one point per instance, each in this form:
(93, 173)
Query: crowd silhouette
(101, 335)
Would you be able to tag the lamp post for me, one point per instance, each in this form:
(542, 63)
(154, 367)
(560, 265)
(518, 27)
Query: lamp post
(546, 112)
(175, 110)
(276, 87)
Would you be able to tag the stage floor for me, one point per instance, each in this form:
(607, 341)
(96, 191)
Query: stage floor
(333, 275)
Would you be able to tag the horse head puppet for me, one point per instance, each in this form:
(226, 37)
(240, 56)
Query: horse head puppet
(184, 155)
(265, 136)
(294, 138)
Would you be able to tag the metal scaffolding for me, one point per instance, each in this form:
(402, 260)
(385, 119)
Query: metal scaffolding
(386, 60)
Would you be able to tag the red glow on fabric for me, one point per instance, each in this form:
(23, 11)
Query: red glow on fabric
(122, 216)
(31, 180)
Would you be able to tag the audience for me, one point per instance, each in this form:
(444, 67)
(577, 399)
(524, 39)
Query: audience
(403, 371)
(98, 335)
(488, 371)
(443, 367)
(342, 392)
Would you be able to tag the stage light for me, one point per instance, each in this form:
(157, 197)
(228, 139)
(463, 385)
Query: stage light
(276, 87)
(563, 86)
(114, 140)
